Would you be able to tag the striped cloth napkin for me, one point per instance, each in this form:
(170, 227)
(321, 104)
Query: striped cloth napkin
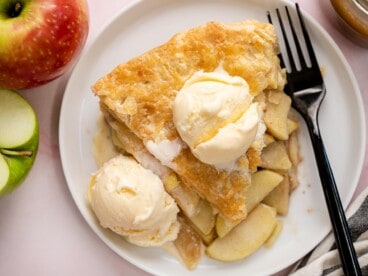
(324, 259)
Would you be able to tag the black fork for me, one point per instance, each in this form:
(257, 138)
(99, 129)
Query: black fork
(306, 88)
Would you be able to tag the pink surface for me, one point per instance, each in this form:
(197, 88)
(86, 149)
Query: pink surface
(41, 229)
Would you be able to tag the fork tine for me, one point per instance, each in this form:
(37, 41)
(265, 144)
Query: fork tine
(287, 45)
(279, 55)
(269, 17)
(308, 42)
(296, 41)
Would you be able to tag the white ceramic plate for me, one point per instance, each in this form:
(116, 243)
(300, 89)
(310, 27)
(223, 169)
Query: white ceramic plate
(146, 24)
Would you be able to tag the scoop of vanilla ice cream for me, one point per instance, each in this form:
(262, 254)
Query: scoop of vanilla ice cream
(214, 114)
(230, 141)
(132, 201)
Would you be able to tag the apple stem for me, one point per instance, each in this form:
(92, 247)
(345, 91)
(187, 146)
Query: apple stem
(16, 152)
(15, 10)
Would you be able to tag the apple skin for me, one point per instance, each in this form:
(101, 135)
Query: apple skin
(42, 42)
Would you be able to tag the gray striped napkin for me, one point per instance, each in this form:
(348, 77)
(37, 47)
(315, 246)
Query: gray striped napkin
(324, 259)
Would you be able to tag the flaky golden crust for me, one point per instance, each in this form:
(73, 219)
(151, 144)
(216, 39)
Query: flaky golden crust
(140, 94)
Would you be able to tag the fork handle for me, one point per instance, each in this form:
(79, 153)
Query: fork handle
(340, 227)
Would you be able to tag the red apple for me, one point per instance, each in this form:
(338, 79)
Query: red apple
(39, 40)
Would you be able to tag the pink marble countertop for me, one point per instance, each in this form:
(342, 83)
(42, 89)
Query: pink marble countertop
(41, 229)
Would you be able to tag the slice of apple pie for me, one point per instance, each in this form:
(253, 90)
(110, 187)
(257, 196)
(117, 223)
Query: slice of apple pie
(140, 95)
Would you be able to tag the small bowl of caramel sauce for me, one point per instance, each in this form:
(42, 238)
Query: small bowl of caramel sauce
(354, 15)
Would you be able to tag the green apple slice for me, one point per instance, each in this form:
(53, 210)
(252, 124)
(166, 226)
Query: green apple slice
(17, 120)
(4, 172)
(19, 137)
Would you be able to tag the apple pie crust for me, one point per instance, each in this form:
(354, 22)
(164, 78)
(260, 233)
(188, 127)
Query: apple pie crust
(138, 96)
